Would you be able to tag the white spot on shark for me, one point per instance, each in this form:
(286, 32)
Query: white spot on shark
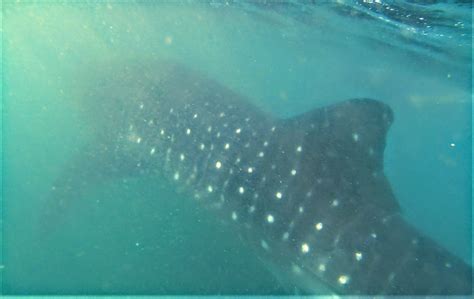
(270, 218)
(371, 151)
(355, 137)
(304, 248)
(343, 279)
(319, 226)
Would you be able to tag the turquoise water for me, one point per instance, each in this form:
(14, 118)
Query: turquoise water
(139, 236)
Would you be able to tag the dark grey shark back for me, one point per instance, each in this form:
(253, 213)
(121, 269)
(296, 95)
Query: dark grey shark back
(309, 192)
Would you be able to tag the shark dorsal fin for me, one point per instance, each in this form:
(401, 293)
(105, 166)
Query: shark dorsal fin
(351, 137)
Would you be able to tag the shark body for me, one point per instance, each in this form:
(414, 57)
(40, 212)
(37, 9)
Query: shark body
(309, 192)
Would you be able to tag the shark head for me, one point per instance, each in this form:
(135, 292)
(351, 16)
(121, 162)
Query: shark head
(308, 192)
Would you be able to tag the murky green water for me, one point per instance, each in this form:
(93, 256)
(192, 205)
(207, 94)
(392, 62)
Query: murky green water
(139, 236)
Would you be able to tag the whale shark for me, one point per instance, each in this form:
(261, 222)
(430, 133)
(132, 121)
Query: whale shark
(308, 193)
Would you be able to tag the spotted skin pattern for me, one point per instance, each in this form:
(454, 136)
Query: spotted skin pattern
(309, 192)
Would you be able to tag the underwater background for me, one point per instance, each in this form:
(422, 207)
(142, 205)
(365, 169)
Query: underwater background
(288, 57)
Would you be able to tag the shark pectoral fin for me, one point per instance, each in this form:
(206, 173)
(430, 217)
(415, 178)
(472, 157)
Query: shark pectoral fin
(351, 136)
